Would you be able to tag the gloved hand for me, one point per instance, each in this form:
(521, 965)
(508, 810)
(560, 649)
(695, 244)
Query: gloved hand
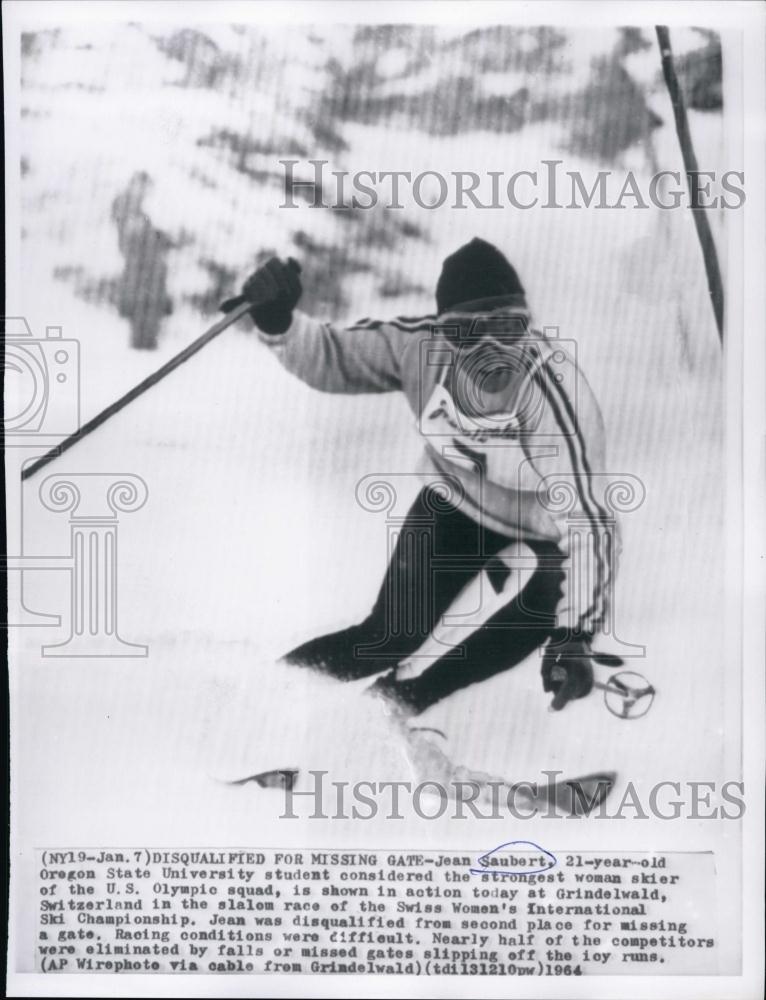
(274, 290)
(567, 670)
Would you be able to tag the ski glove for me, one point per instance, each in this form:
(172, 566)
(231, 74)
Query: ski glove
(567, 670)
(273, 290)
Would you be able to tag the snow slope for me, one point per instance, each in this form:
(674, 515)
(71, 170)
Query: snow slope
(252, 540)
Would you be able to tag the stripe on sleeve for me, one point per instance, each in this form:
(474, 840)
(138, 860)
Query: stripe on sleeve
(600, 514)
(577, 456)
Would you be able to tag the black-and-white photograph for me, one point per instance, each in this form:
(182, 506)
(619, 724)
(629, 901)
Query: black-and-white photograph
(381, 597)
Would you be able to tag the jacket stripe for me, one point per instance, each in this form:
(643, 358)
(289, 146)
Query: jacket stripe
(570, 436)
(602, 516)
(408, 325)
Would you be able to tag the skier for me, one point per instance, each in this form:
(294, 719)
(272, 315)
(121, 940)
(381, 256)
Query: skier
(495, 402)
(142, 295)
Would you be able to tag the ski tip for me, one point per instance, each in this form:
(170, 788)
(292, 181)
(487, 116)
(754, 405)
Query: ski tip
(281, 778)
(587, 793)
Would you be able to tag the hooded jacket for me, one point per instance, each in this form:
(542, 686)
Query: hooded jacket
(502, 409)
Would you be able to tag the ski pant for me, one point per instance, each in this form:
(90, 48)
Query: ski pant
(439, 550)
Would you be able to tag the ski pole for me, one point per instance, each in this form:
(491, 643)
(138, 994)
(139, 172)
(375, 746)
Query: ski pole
(138, 390)
(701, 223)
(613, 685)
